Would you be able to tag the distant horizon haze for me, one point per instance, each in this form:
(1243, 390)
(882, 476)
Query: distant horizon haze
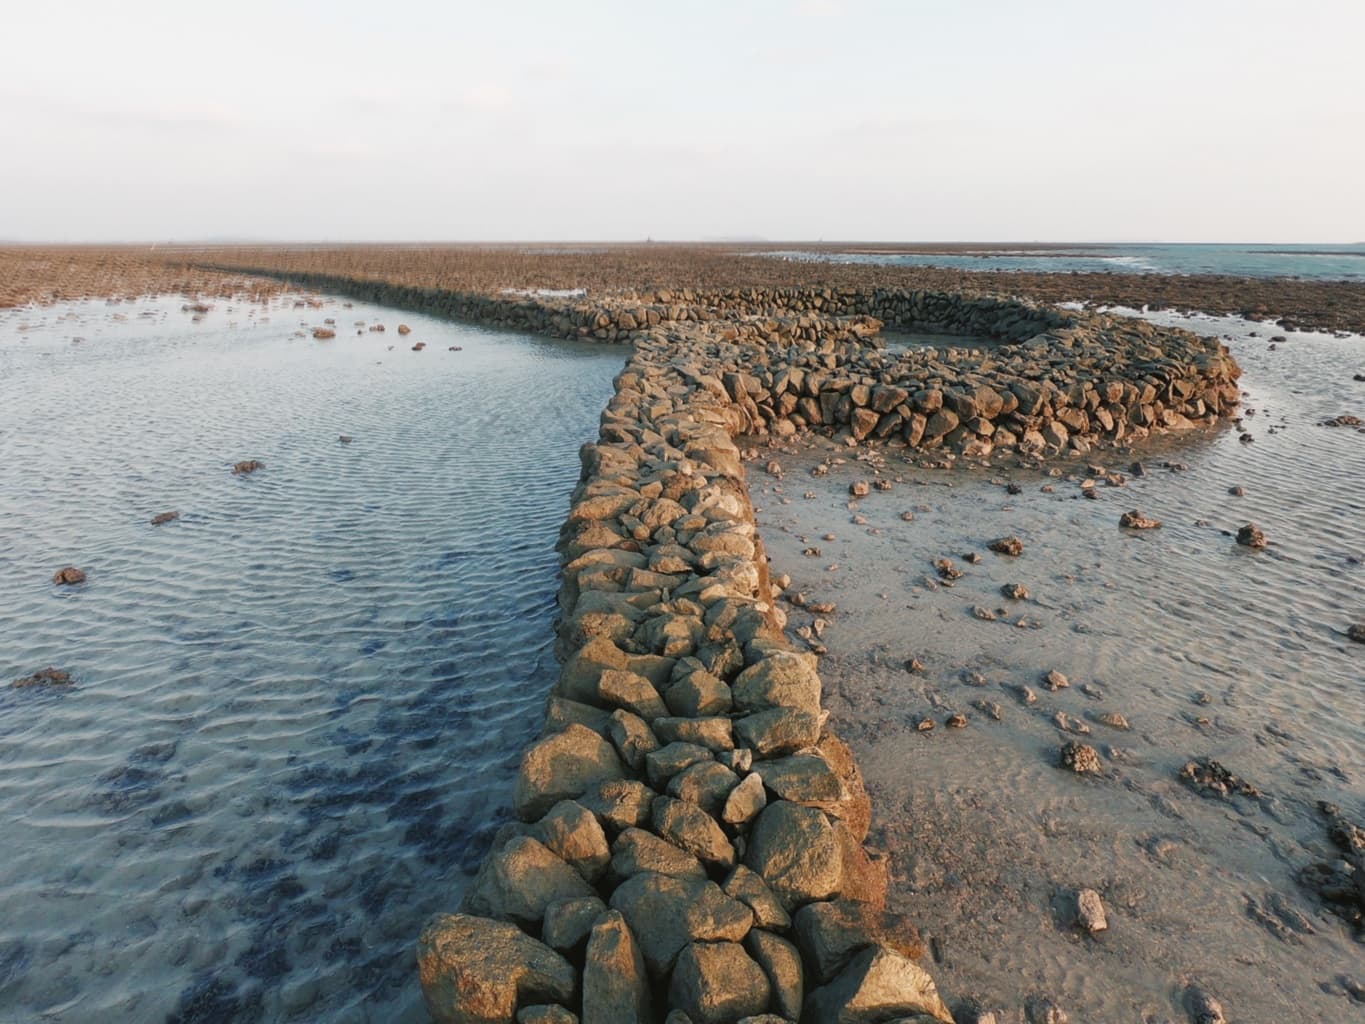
(867, 120)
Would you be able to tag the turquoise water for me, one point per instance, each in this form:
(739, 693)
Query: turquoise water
(299, 707)
(1309, 262)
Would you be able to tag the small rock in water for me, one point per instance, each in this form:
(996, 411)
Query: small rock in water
(323, 333)
(404, 329)
(1203, 1008)
(1114, 720)
(1067, 723)
(957, 721)
(859, 488)
(1357, 632)
(419, 346)
(984, 614)
(1251, 536)
(1044, 1011)
(1212, 779)
(914, 665)
(925, 724)
(162, 518)
(44, 677)
(884, 485)
(989, 707)
(1015, 591)
(345, 438)
(1135, 520)
(1055, 681)
(947, 570)
(1010, 545)
(971, 557)
(249, 466)
(1138, 469)
(908, 517)
(1089, 911)
(1237, 492)
(1013, 488)
(1079, 758)
(69, 575)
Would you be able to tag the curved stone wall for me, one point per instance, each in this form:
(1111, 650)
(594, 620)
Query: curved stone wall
(690, 836)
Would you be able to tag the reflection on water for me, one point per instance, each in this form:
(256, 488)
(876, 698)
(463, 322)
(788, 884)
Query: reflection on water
(299, 707)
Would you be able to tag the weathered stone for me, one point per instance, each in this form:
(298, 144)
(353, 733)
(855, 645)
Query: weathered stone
(563, 766)
(690, 828)
(572, 832)
(621, 688)
(713, 732)
(664, 763)
(782, 964)
(1079, 758)
(546, 1014)
(782, 679)
(632, 737)
(620, 803)
(754, 893)
(1088, 911)
(795, 851)
(777, 731)
(803, 779)
(830, 933)
(568, 922)
(706, 784)
(878, 985)
(519, 880)
(718, 983)
(637, 852)
(476, 971)
(666, 914)
(744, 802)
(579, 677)
(615, 986)
(697, 695)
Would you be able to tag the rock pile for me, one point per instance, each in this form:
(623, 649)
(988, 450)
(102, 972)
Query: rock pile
(691, 833)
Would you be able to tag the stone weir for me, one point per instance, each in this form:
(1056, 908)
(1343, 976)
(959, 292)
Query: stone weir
(690, 834)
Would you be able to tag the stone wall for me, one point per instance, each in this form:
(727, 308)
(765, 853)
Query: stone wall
(690, 835)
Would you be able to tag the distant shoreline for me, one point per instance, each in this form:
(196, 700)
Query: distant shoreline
(46, 274)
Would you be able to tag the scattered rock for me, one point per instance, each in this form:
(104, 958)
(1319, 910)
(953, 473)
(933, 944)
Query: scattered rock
(1007, 546)
(404, 329)
(1251, 536)
(1079, 758)
(1212, 779)
(1088, 911)
(1237, 492)
(957, 721)
(1015, 591)
(1055, 681)
(1135, 520)
(69, 575)
(162, 518)
(1357, 632)
(323, 333)
(859, 488)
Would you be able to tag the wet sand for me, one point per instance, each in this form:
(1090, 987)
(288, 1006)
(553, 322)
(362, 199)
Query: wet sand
(1206, 649)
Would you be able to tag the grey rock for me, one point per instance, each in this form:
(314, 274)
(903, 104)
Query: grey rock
(718, 983)
(666, 914)
(563, 766)
(782, 964)
(518, 881)
(795, 851)
(879, 984)
(615, 985)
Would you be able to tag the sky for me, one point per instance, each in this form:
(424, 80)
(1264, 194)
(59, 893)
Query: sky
(971, 120)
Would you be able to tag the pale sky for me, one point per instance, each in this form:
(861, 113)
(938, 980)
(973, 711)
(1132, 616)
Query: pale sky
(1102, 120)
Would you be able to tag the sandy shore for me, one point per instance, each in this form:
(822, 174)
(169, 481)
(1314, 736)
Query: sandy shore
(1202, 651)
(52, 273)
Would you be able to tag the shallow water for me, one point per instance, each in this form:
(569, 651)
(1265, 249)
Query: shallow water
(298, 708)
(986, 834)
(1310, 262)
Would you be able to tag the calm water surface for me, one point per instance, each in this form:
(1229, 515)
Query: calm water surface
(299, 707)
(1310, 262)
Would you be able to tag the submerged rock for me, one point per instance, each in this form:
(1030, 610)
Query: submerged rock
(249, 466)
(1010, 545)
(44, 677)
(1357, 632)
(1251, 536)
(69, 576)
(162, 518)
(1211, 778)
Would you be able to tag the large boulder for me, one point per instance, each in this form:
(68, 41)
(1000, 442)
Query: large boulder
(718, 983)
(563, 766)
(638, 852)
(666, 914)
(519, 880)
(878, 985)
(615, 986)
(477, 971)
(794, 850)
